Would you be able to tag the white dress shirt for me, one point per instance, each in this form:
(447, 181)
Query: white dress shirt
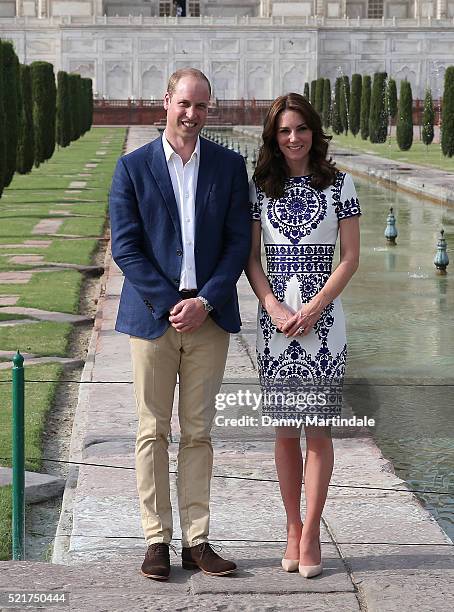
(184, 183)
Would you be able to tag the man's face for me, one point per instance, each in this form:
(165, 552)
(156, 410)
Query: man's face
(187, 108)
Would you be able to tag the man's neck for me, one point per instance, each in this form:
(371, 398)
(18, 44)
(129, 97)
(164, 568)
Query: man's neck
(184, 148)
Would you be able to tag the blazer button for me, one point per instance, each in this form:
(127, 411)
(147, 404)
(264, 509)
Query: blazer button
(176, 281)
(179, 253)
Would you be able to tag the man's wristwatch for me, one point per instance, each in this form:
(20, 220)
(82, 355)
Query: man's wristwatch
(207, 306)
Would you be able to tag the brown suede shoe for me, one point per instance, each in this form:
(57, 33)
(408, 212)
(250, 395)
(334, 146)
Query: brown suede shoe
(156, 564)
(203, 557)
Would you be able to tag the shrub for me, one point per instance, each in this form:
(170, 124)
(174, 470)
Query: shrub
(365, 107)
(326, 116)
(404, 129)
(63, 125)
(355, 103)
(319, 96)
(428, 118)
(11, 101)
(25, 144)
(335, 114)
(447, 117)
(344, 102)
(44, 109)
(378, 118)
(392, 99)
(2, 124)
(313, 86)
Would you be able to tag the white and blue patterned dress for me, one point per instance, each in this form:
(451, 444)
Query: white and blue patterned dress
(299, 232)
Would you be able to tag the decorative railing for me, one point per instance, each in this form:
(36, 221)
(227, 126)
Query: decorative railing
(190, 22)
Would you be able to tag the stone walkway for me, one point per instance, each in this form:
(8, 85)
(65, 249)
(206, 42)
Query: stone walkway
(381, 550)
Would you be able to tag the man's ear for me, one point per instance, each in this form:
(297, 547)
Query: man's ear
(166, 100)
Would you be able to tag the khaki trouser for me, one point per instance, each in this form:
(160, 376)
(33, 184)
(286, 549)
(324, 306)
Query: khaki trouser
(199, 360)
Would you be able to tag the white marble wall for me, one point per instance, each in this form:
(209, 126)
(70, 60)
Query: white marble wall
(133, 60)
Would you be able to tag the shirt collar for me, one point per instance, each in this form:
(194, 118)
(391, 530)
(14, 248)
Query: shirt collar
(168, 151)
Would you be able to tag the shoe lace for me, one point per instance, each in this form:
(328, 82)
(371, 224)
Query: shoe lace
(210, 549)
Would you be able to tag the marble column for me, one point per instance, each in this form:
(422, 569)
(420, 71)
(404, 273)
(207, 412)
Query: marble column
(42, 9)
(442, 9)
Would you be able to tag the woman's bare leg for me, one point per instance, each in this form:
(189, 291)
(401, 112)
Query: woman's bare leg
(318, 467)
(289, 467)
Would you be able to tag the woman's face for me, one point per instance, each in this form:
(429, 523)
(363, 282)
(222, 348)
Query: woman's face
(294, 138)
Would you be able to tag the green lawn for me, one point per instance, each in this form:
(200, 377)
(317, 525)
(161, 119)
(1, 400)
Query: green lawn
(418, 154)
(24, 203)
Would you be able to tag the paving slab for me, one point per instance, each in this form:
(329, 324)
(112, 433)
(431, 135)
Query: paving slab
(19, 277)
(26, 259)
(8, 300)
(47, 315)
(77, 184)
(38, 487)
(47, 226)
(65, 361)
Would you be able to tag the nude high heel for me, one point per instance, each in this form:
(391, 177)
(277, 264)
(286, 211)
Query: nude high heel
(290, 565)
(309, 571)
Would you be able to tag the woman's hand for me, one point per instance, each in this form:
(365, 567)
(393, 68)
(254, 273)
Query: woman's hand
(304, 319)
(280, 313)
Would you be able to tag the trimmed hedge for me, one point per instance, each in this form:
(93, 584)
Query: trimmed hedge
(326, 115)
(447, 117)
(365, 107)
(404, 129)
(306, 93)
(428, 118)
(378, 118)
(344, 103)
(319, 96)
(335, 113)
(44, 94)
(11, 106)
(355, 103)
(25, 144)
(313, 86)
(392, 99)
(2, 124)
(63, 118)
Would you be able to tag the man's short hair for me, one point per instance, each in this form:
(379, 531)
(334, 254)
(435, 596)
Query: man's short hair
(184, 72)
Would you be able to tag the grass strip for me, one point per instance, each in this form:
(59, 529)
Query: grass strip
(419, 153)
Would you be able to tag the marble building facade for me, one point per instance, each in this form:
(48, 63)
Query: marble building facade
(249, 49)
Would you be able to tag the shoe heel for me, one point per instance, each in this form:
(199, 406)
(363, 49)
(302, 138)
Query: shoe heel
(189, 565)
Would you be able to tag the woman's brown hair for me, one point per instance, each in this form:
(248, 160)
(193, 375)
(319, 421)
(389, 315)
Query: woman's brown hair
(272, 170)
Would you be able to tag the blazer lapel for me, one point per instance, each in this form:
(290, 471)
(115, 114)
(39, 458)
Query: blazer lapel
(207, 164)
(160, 171)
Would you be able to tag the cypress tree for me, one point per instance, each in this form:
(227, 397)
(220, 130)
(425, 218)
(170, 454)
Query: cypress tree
(344, 101)
(447, 117)
(428, 118)
(355, 103)
(90, 103)
(335, 115)
(63, 120)
(404, 129)
(11, 108)
(365, 107)
(2, 124)
(378, 119)
(327, 103)
(313, 86)
(44, 109)
(306, 91)
(392, 98)
(25, 144)
(74, 106)
(319, 96)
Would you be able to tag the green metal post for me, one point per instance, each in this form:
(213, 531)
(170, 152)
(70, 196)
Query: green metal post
(18, 458)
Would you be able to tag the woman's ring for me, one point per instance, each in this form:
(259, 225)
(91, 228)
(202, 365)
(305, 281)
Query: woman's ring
(300, 330)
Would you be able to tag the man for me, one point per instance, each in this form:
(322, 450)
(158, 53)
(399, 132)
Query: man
(181, 235)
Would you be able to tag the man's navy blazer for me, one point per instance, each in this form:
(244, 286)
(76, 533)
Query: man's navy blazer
(147, 244)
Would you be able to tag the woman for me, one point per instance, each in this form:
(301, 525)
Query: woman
(299, 203)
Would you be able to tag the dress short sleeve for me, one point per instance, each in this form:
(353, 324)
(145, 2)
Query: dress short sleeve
(254, 202)
(347, 203)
